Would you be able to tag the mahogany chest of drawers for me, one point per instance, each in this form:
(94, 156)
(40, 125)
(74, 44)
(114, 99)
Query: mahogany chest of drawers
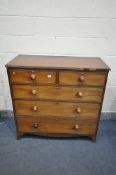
(57, 96)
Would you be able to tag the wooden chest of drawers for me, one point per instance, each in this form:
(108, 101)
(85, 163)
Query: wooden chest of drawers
(57, 96)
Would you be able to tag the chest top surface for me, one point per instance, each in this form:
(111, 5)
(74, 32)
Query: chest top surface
(58, 62)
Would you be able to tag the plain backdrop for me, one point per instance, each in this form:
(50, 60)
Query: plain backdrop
(58, 27)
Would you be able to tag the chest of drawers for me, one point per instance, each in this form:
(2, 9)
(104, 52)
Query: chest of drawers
(57, 96)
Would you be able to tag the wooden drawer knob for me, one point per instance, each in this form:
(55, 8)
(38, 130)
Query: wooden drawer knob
(80, 94)
(82, 78)
(78, 110)
(34, 92)
(76, 127)
(35, 125)
(33, 76)
(35, 108)
(13, 73)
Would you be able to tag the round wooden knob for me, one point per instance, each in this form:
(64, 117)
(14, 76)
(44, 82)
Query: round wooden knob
(13, 73)
(76, 127)
(35, 125)
(35, 108)
(78, 110)
(33, 76)
(80, 94)
(34, 92)
(82, 78)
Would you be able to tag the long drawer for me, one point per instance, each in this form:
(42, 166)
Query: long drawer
(44, 108)
(82, 78)
(58, 93)
(29, 124)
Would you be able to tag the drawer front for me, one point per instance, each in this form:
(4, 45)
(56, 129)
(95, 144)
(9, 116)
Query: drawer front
(32, 76)
(58, 93)
(79, 78)
(42, 108)
(28, 124)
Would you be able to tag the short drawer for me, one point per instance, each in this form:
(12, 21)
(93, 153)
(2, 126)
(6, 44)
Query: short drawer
(32, 76)
(82, 78)
(29, 124)
(44, 108)
(58, 93)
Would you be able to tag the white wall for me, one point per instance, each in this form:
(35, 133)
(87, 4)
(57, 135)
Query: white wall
(58, 27)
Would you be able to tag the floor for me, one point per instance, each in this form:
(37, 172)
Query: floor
(33, 155)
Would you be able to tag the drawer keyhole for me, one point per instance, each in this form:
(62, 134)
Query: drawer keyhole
(49, 76)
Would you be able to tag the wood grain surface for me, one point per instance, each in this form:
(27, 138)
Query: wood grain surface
(57, 95)
(31, 76)
(58, 62)
(76, 94)
(44, 108)
(89, 78)
(27, 124)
